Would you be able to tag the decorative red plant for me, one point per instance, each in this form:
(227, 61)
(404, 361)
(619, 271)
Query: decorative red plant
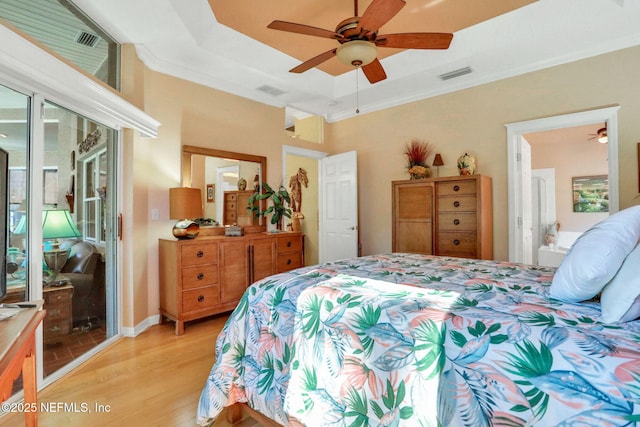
(418, 152)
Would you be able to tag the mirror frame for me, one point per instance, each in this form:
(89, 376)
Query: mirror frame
(189, 150)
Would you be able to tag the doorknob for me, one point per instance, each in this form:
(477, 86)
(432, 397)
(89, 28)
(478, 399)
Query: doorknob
(353, 228)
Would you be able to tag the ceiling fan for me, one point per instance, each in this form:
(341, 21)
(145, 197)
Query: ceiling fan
(600, 135)
(359, 39)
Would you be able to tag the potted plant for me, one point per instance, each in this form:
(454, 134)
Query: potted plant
(278, 209)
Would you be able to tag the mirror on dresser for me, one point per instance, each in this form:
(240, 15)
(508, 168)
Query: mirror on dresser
(227, 180)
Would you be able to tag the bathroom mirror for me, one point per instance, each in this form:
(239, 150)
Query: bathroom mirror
(217, 172)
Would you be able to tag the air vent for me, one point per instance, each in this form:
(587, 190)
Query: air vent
(87, 39)
(274, 91)
(455, 73)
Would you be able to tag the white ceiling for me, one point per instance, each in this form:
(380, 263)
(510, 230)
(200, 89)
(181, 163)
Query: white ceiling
(188, 42)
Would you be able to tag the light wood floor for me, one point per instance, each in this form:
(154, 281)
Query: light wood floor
(154, 379)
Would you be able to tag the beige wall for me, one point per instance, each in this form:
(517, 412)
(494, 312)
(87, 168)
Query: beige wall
(473, 121)
(470, 121)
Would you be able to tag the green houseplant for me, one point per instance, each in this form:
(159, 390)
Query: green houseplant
(278, 208)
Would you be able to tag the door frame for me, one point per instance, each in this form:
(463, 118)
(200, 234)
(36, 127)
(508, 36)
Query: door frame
(303, 152)
(516, 130)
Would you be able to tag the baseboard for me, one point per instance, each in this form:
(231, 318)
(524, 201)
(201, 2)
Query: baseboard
(141, 327)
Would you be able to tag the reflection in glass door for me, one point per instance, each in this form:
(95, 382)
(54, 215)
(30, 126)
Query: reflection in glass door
(14, 137)
(78, 288)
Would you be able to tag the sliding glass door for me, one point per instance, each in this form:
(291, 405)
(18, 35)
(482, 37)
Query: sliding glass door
(62, 177)
(77, 236)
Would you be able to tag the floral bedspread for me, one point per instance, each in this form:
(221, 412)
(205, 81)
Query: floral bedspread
(414, 340)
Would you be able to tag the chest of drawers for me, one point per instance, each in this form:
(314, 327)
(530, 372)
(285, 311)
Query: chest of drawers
(208, 275)
(58, 321)
(449, 216)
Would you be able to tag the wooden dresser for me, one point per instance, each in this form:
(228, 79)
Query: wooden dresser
(208, 275)
(59, 319)
(449, 216)
(235, 208)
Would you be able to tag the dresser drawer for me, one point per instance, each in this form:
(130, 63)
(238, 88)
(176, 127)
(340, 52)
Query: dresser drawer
(289, 244)
(55, 329)
(200, 299)
(289, 261)
(57, 312)
(230, 197)
(199, 276)
(457, 244)
(206, 253)
(457, 204)
(451, 188)
(457, 221)
(53, 297)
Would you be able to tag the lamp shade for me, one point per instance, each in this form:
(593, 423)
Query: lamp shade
(185, 203)
(357, 52)
(437, 160)
(58, 224)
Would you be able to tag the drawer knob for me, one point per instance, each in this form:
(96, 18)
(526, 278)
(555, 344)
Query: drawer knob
(288, 244)
(199, 254)
(288, 261)
(456, 188)
(456, 222)
(456, 242)
(456, 204)
(200, 276)
(200, 298)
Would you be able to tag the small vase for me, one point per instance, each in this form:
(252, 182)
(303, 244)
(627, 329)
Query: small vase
(466, 164)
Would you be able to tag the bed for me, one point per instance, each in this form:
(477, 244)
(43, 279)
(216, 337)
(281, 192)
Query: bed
(418, 340)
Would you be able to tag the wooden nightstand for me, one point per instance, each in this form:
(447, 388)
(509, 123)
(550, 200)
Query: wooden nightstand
(59, 319)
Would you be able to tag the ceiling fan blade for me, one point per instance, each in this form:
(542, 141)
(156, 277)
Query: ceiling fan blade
(304, 29)
(379, 13)
(374, 71)
(317, 60)
(415, 40)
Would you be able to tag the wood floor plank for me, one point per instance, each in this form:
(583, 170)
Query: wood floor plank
(154, 379)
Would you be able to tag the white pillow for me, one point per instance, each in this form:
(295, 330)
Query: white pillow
(620, 300)
(596, 256)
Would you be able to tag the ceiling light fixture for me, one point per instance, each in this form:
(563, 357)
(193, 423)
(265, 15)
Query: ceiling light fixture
(603, 139)
(357, 53)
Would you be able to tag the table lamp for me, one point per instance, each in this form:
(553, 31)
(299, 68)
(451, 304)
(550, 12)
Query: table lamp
(437, 162)
(185, 204)
(57, 224)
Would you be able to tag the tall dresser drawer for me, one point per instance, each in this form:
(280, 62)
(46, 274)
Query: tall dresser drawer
(206, 253)
(456, 204)
(457, 221)
(451, 188)
(200, 299)
(461, 244)
(199, 276)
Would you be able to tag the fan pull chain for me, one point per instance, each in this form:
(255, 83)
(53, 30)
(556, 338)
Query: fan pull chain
(357, 92)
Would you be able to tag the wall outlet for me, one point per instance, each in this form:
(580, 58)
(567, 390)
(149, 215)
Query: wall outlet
(155, 214)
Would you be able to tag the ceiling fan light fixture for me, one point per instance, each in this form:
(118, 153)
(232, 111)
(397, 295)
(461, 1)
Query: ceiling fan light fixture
(357, 53)
(603, 139)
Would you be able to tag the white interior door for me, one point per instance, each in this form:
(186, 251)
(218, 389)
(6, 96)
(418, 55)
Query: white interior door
(338, 206)
(543, 205)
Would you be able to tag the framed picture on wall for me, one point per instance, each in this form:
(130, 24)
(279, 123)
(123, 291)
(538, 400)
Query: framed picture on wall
(211, 193)
(590, 193)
